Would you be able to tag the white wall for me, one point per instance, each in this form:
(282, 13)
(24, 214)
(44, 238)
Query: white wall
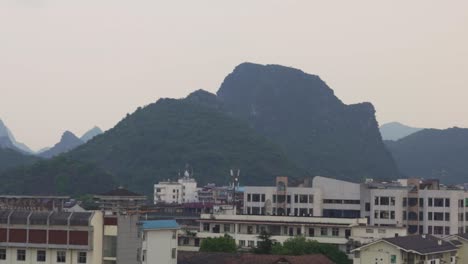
(158, 245)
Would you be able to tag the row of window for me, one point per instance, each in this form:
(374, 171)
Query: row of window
(431, 202)
(41, 256)
(431, 216)
(335, 201)
(298, 198)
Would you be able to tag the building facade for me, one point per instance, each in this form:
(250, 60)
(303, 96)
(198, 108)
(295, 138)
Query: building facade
(159, 242)
(50, 237)
(184, 190)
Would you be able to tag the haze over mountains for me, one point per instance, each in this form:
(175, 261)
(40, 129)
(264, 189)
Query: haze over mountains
(396, 130)
(266, 120)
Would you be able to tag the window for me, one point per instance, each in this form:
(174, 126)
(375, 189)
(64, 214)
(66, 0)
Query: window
(367, 207)
(248, 197)
(303, 199)
(274, 198)
(384, 200)
(242, 243)
(2, 253)
(392, 201)
(412, 216)
(438, 202)
(393, 259)
(61, 257)
(174, 234)
(405, 202)
(429, 216)
(41, 256)
(438, 230)
(298, 231)
(251, 243)
(21, 255)
(143, 258)
(311, 199)
(376, 200)
(255, 197)
(376, 214)
(404, 215)
(335, 231)
(447, 216)
(384, 215)
(429, 230)
(227, 228)
(289, 199)
(206, 227)
(421, 216)
(429, 201)
(263, 197)
(447, 202)
(296, 198)
(311, 232)
(324, 231)
(82, 257)
(382, 231)
(421, 202)
(174, 253)
(447, 230)
(392, 214)
(369, 230)
(438, 216)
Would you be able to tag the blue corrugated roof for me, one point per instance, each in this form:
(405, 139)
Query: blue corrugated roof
(160, 224)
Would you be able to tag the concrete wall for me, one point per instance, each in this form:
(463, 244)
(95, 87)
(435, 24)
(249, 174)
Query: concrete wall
(97, 223)
(159, 245)
(128, 241)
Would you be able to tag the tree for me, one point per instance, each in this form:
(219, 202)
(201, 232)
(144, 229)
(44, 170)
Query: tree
(265, 245)
(302, 246)
(219, 244)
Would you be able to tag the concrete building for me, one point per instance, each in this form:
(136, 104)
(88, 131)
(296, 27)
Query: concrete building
(423, 207)
(120, 200)
(416, 249)
(50, 237)
(184, 190)
(159, 243)
(327, 198)
(246, 228)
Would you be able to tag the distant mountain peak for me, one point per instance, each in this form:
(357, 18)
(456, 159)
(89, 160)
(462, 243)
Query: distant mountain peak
(90, 134)
(68, 141)
(396, 131)
(5, 132)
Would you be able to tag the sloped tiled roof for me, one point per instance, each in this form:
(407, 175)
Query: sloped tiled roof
(238, 258)
(423, 244)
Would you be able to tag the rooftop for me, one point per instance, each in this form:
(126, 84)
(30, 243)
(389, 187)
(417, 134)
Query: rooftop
(422, 244)
(159, 224)
(238, 258)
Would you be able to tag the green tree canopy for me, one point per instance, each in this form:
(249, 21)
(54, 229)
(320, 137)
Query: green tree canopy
(302, 246)
(219, 244)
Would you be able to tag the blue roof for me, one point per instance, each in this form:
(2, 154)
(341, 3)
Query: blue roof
(160, 224)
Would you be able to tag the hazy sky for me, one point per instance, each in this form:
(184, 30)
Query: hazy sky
(73, 64)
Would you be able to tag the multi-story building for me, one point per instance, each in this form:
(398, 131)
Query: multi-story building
(50, 237)
(246, 228)
(159, 241)
(327, 198)
(423, 207)
(33, 202)
(120, 200)
(184, 190)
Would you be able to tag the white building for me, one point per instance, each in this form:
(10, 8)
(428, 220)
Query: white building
(423, 207)
(327, 198)
(159, 243)
(183, 191)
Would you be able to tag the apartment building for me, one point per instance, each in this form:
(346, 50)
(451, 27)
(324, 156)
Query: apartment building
(50, 237)
(184, 190)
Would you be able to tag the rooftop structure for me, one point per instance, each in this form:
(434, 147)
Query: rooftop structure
(120, 200)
